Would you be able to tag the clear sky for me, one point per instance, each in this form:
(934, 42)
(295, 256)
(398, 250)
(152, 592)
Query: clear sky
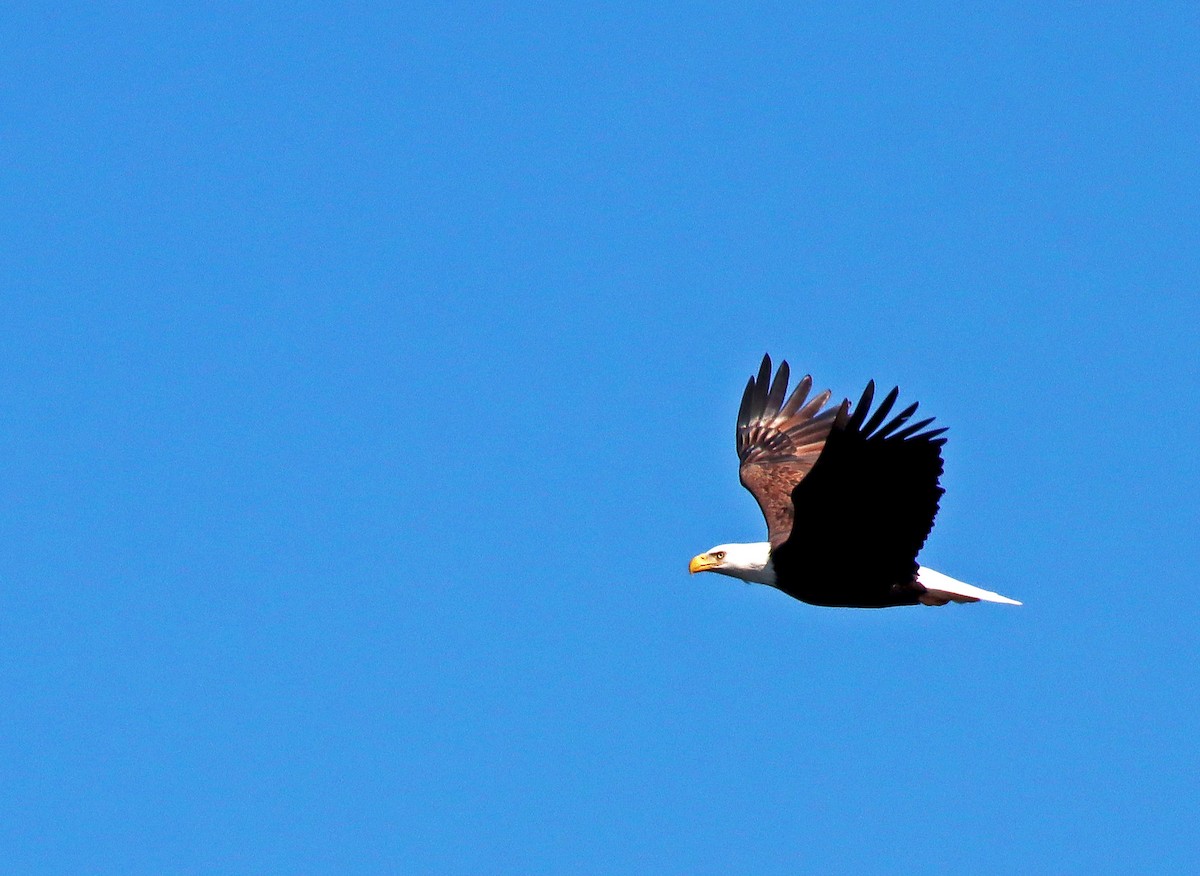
(368, 378)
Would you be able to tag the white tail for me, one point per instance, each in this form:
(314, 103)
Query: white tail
(940, 589)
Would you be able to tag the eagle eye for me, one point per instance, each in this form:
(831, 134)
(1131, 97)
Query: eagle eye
(720, 555)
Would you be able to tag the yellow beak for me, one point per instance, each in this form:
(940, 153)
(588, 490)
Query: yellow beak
(703, 563)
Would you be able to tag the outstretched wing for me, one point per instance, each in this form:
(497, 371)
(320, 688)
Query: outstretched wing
(865, 509)
(779, 442)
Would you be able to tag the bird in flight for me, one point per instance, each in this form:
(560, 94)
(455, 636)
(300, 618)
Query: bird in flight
(849, 497)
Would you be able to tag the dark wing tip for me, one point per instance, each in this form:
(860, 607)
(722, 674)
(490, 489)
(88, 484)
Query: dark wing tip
(912, 429)
(882, 411)
(860, 410)
(743, 416)
(842, 418)
(762, 383)
(799, 394)
(778, 389)
(899, 420)
(764, 370)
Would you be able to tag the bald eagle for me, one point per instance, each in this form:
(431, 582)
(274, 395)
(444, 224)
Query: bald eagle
(849, 499)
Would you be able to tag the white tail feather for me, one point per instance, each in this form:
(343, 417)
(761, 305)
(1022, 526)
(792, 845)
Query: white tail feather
(940, 589)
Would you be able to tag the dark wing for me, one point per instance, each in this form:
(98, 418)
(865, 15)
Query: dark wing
(778, 442)
(865, 509)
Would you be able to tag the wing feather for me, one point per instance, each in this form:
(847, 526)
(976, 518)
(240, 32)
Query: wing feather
(747, 404)
(799, 394)
(899, 420)
(860, 410)
(863, 510)
(778, 442)
(881, 411)
(913, 429)
(763, 384)
(778, 390)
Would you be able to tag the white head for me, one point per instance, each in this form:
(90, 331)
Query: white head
(750, 562)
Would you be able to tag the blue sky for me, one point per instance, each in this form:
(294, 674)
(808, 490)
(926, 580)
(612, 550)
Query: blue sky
(368, 379)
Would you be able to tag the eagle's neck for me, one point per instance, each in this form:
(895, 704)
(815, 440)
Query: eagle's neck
(750, 562)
